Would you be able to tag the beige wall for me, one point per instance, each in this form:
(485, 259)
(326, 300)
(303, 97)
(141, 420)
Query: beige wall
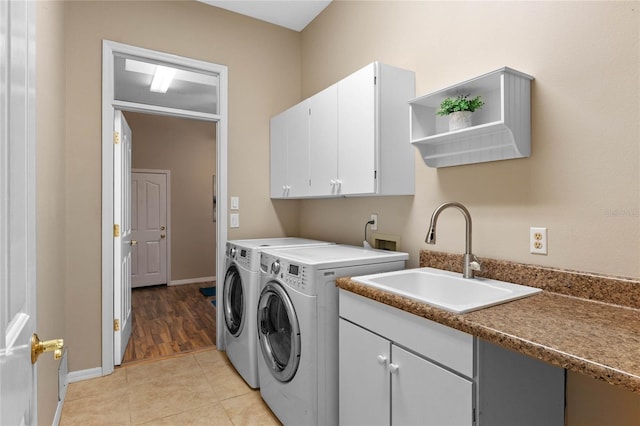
(187, 148)
(582, 180)
(51, 195)
(264, 78)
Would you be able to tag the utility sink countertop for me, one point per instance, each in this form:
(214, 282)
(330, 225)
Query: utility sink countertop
(583, 322)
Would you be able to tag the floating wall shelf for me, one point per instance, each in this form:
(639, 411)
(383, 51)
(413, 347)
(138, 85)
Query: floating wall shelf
(501, 130)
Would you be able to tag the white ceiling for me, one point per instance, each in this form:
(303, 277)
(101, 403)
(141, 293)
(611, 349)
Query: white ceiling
(292, 14)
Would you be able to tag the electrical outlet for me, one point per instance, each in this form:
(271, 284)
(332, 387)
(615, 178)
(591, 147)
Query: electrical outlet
(374, 218)
(538, 240)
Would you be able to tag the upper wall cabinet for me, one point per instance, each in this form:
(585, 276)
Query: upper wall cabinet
(501, 129)
(355, 141)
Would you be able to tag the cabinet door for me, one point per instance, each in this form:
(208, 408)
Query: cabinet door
(298, 150)
(323, 142)
(425, 394)
(357, 132)
(278, 142)
(363, 377)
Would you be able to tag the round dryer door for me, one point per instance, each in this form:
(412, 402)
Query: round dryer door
(233, 300)
(278, 332)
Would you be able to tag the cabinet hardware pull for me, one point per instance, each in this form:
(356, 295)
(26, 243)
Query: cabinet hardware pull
(382, 359)
(393, 368)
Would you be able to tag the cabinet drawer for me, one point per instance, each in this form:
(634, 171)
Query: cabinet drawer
(444, 345)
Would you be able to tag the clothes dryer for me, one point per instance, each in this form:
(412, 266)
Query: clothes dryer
(240, 293)
(298, 326)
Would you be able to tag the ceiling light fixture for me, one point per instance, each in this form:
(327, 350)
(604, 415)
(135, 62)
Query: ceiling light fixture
(162, 79)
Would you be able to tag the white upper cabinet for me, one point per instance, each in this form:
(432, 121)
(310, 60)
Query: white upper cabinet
(290, 153)
(501, 128)
(356, 141)
(323, 142)
(357, 133)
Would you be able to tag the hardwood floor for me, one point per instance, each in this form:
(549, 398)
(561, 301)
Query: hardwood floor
(169, 320)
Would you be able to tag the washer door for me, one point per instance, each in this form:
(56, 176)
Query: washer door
(278, 332)
(233, 301)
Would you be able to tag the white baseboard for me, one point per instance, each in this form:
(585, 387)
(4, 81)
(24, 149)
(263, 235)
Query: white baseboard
(192, 280)
(80, 375)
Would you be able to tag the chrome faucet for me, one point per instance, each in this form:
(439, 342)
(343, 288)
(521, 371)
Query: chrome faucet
(469, 261)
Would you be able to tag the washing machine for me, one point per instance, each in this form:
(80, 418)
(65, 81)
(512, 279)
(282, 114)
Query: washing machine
(240, 299)
(298, 326)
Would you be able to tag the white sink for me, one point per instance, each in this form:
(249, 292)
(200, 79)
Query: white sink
(447, 290)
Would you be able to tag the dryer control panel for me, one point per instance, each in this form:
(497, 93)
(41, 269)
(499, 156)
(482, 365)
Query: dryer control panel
(292, 274)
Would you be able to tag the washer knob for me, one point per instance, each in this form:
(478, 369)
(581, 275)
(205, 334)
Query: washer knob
(275, 267)
(232, 252)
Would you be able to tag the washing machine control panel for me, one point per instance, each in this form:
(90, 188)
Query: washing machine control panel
(295, 275)
(292, 274)
(240, 255)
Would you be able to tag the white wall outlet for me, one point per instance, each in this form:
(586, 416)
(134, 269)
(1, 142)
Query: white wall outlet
(235, 203)
(234, 220)
(374, 218)
(538, 240)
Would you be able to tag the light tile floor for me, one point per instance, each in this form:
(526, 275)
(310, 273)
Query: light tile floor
(200, 388)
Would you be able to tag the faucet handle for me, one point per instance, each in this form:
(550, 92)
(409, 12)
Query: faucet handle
(475, 264)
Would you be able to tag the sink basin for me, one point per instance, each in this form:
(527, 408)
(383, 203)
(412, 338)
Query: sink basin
(447, 290)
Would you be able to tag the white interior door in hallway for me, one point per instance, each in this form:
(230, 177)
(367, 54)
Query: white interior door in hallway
(149, 227)
(122, 236)
(17, 213)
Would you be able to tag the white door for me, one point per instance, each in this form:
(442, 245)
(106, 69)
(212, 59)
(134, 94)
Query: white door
(17, 213)
(122, 237)
(148, 229)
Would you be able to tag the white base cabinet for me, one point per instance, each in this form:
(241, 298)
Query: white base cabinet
(347, 140)
(396, 368)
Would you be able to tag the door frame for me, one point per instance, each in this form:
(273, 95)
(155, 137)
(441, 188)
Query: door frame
(109, 104)
(167, 174)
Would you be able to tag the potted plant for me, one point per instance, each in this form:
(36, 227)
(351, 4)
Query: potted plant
(459, 110)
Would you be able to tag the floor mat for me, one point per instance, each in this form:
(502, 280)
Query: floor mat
(208, 291)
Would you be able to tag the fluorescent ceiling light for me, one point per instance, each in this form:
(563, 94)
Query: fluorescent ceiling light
(162, 79)
(132, 65)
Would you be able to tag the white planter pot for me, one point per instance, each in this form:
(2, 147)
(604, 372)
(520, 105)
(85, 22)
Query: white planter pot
(459, 120)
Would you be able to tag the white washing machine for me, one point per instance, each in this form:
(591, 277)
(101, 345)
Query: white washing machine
(240, 300)
(298, 326)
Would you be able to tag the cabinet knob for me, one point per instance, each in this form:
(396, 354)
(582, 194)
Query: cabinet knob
(393, 368)
(382, 359)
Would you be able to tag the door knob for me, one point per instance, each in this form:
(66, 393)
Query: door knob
(133, 242)
(38, 346)
(162, 235)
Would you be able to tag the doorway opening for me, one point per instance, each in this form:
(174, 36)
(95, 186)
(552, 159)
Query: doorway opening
(191, 76)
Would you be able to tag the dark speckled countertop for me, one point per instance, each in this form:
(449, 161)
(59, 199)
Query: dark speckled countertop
(573, 324)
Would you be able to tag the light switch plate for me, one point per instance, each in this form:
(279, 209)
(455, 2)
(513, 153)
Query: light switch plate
(234, 220)
(235, 203)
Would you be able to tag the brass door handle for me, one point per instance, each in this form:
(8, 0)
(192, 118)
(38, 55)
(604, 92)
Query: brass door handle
(163, 235)
(133, 242)
(38, 346)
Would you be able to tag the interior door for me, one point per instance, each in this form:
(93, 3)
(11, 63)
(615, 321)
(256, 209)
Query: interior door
(122, 236)
(148, 229)
(17, 213)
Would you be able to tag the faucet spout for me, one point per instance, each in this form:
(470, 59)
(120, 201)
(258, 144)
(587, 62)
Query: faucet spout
(469, 262)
